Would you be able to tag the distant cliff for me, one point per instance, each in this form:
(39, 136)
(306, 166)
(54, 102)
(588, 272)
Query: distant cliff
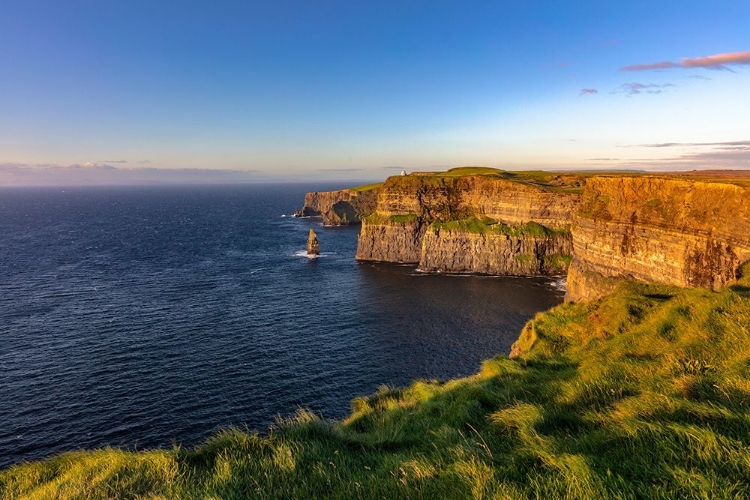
(340, 208)
(473, 220)
(688, 230)
(668, 229)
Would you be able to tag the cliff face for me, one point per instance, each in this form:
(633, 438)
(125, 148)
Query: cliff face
(406, 225)
(439, 198)
(384, 240)
(494, 253)
(669, 230)
(340, 208)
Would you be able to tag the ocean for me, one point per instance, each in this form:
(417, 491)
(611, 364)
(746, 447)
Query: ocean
(144, 317)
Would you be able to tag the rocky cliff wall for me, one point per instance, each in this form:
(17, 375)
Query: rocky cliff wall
(461, 251)
(339, 208)
(384, 240)
(402, 229)
(658, 229)
(450, 198)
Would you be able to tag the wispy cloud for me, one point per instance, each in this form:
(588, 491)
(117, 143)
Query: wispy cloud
(588, 92)
(721, 145)
(636, 88)
(112, 161)
(716, 61)
(697, 155)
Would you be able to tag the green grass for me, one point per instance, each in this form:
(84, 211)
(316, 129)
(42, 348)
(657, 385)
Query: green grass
(557, 261)
(485, 225)
(368, 187)
(642, 394)
(568, 182)
(403, 218)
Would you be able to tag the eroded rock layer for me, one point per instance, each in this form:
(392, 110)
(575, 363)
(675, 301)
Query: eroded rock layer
(461, 251)
(405, 225)
(385, 240)
(450, 198)
(339, 208)
(658, 229)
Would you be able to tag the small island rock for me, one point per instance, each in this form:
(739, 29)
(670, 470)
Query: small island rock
(313, 247)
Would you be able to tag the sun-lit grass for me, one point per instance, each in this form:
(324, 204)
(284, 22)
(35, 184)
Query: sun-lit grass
(642, 394)
(484, 225)
(368, 187)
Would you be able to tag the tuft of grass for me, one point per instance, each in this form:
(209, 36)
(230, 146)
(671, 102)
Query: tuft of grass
(367, 187)
(484, 225)
(410, 217)
(642, 394)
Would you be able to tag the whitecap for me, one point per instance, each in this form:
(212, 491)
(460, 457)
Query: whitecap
(303, 253)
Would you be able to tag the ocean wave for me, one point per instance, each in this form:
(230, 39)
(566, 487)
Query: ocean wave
(303, 253)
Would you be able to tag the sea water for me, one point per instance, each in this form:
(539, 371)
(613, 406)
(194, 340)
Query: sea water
(144, 317)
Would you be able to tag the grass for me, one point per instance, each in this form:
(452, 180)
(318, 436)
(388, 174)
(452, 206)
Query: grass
(568, 182)
(368, 187)
(642, 394)
(557, 261)
(485, 225)
(410, 217)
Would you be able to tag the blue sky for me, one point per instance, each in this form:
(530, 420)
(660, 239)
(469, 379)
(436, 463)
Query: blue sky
(328, 89)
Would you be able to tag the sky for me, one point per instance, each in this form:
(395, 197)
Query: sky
(148, 91)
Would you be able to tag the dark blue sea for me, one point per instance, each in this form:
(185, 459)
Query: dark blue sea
(143, 317)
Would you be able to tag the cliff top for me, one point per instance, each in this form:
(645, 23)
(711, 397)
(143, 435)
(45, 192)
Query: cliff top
(572, 181)
(549, 181)
(367, 187)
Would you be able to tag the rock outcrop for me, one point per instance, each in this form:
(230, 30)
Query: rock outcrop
(688, 230)
(444, 198)
(313, 247)
(390, 239)
(666, 229)
(495, 253)
(340, 208)
(406, 226)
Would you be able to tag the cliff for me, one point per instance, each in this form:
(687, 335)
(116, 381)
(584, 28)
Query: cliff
(452, 196)
(495, 252)
(668, 229)
(689, 230)
(474, 220)
(340, 208)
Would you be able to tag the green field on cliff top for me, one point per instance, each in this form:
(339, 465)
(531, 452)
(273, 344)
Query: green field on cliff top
(572, 181)
(642, 394)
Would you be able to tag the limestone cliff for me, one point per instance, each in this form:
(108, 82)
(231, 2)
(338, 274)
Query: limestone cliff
(495, 253)
(408, 223)
(340, 208)
(443, 198)
(665, 229)
(386, 239)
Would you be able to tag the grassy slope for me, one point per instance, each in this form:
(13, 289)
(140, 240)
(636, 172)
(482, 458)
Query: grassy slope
(643, 394)
(367, 187)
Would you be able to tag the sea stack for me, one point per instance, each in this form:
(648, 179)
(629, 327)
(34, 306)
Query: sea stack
(313, 247)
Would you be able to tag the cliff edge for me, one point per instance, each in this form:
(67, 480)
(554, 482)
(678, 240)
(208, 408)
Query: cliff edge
(474, 220)
(671, 229)
(340, 208)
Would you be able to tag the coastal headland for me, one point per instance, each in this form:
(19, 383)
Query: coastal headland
(637, 387)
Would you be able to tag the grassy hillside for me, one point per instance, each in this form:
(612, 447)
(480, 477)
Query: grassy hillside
(643, 394)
